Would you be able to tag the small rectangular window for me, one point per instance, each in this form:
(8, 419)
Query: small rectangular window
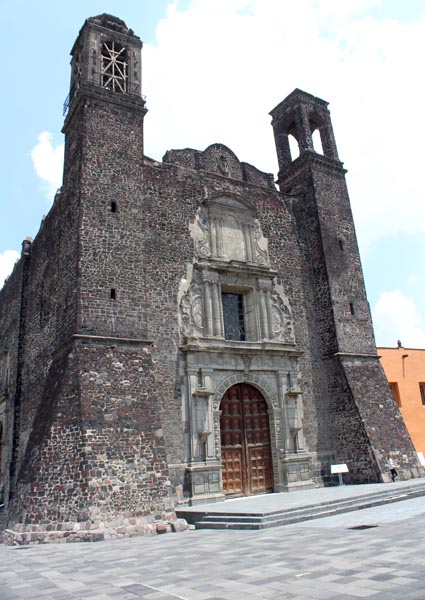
(422, 390)
(352, 308)
(396, 393)
(233, 314)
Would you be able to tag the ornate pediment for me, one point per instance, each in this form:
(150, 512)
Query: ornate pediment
(219, 159)
(226, 203)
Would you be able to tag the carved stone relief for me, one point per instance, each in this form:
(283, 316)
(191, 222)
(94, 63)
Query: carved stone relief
(233, 239)
(190, 312)
(200, 231)
(261, 246)
(232, 235)
(283, 328)
(223, 166)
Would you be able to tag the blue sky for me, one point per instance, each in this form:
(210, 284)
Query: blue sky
(212, 70)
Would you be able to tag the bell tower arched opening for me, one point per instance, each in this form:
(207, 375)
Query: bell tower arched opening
(245, 442)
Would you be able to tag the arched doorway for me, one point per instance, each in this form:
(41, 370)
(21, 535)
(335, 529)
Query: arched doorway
(245, 442)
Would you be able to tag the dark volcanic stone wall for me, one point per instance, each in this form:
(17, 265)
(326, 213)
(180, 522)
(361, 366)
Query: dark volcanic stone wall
(95, 459)
(110, 257)
(172, 195)
(39, 304)
(11, 347)
(96, 439)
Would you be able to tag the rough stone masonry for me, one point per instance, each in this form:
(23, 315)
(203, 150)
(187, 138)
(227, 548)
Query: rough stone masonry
(183, 331)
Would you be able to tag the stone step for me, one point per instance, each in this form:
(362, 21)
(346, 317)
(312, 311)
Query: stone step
(192, 515)
(262, 520)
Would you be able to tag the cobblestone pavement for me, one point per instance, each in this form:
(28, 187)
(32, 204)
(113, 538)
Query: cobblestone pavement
(315, 560)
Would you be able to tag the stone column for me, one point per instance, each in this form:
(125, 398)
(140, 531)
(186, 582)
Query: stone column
(219, 236)
(263, 314)
(252, 243)
(268, 294)
(247, 239)
(265, 308)
(212, 303)
(214, 237)
(208, 318)
(216, 310)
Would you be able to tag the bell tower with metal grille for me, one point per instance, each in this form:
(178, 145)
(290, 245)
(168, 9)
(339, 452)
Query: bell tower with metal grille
(106, 59)
(104, 164)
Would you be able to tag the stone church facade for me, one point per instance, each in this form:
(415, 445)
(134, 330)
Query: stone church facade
(183, 331)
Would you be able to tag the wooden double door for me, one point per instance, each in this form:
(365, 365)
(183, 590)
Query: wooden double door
(245, 442)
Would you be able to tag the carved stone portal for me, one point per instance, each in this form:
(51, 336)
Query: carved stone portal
(230, 287)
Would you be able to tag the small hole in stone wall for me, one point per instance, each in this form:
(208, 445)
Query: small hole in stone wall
(113, 207)
(341, 245)
(351, 308)
(113, 294)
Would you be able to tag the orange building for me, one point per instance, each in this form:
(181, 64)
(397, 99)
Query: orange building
(405, 371)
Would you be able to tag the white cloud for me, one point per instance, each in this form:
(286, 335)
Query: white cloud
(396, 317)
(415, 279)
(7, 262)
(219, 66)
(48, 163)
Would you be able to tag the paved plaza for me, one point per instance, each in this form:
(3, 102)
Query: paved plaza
(377, 553)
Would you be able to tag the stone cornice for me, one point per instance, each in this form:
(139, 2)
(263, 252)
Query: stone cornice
(214, 176)
(307, 159)
(242, 348)
(102, 339)
(90, 91)
(352, 355)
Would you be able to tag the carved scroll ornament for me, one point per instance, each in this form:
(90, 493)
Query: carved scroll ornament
(202, 242)
(261, 249)
(282, 319)
(191, 312)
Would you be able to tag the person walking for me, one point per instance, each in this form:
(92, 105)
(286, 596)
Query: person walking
(391, 466)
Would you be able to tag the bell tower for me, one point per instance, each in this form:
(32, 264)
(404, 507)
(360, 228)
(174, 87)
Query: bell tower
(106, 62)
(104, 170)
(324, 221)
(341, 331)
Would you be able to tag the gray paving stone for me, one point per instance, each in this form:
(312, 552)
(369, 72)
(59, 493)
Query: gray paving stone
(316, 561)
